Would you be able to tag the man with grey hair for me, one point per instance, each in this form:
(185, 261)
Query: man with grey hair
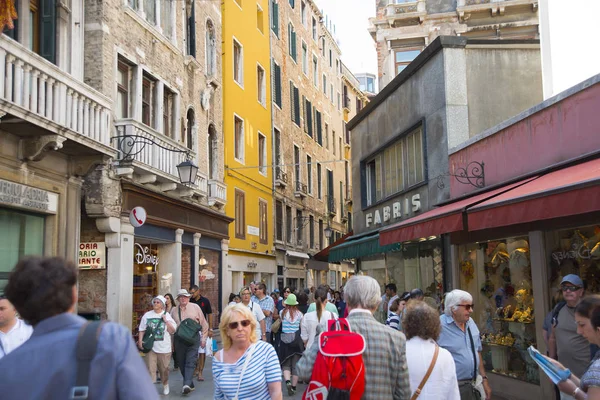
(386, 372)
(460, 337)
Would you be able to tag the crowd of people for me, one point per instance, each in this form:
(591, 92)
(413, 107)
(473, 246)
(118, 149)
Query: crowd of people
(269, 340)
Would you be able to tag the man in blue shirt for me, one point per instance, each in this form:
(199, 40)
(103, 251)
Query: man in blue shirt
(44, 292)
(460, 337)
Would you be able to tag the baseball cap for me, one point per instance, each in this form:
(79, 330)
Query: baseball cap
(572, 278)
(276, 290)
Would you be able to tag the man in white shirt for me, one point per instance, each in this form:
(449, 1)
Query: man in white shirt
(13, 331)
(391, 293)
(261, 328)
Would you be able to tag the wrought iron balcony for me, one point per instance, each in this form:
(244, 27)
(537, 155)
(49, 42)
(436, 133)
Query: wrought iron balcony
(217, 193)
(300, 190)
(35, 91)
(406, 13)
(281, 177)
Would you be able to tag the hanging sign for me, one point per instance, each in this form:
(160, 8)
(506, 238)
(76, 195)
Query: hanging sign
(137, 217)
(92, 255)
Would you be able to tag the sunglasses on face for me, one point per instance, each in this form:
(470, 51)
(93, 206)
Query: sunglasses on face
(570, 288)
(234, 325)
(287, 291)
(466, 306)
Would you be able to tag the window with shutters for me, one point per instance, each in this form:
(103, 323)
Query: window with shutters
(319, 182)
(124, 74)
(168, 104)
(211, 49)
(42, 28)
(314, 29)
(240, 214)
(239, 143)
(303, 12)
(308, 118)
(325, 85)
(275, 17)
(323, 46)
(262, 154)
(190, 31)
(319, 128)
(315, 71)
(292, 42)
(326, 136)
(276, 83)
(279, 221)
(238, 63)
(289, 227)
(304, 58)
(295, 103)
(299, 228)
(148, 87)
(150, 11)
(330, 58)
(311, 231)
(167, 18)
(309, 171)
(263, 224)
(331, 93)
(261, 85)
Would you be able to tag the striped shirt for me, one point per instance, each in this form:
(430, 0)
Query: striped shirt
(289, 324)
(262, 369)
(393, 321)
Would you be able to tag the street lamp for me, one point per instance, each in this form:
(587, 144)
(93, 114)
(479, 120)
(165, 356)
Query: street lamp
(187, 171)
(328, 232)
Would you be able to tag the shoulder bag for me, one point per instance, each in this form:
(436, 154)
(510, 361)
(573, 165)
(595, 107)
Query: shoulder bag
(250, 352)
(149, 336)
(428, 374)
(87, 343)
(478, 390)
(188, 329)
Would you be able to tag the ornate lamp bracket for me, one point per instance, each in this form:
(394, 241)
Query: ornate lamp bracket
(473, 174)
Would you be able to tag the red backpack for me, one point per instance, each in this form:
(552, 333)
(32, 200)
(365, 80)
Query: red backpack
(339, 371)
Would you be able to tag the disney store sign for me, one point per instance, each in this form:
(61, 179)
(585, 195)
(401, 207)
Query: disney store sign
(577, 252)
(144, 256)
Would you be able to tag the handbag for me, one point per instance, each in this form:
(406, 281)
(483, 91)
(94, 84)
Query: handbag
(149, 336)
(429, 371)
(187, 331)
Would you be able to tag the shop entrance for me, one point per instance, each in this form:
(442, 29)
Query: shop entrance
(22, 234)
(145, 280)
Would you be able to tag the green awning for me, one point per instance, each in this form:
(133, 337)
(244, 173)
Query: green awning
(364, 246)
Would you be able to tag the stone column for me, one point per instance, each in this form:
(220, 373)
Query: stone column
(227, 284)
(170, 260)
(73, 218)
(195, 267)
(119, 239)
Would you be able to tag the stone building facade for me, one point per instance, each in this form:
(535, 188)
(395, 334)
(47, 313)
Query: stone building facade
(163, 78)
(402, 29)
(311, 103)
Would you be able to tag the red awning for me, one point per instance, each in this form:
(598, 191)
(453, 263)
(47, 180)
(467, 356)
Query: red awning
(569, 191)
(323, 255)
(445, 219)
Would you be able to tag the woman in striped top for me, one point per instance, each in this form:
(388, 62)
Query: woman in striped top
(291, 346)
(246, 368)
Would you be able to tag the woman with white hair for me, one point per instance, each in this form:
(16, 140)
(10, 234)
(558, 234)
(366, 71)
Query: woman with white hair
(163, 325)
(460, 336)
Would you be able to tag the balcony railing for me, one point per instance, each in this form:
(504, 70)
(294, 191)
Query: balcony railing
(281, 178)
(38, 90)
(464, 8)
(300, 190)
(217, 193)
(161, 158)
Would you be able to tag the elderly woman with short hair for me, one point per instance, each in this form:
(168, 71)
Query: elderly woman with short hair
(246, 368)
(421, 325)
(460, 336)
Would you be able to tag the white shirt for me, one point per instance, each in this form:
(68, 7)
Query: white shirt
(442, 383)
(309, 325)
(258, 314)
(162, 340)
(15, 337)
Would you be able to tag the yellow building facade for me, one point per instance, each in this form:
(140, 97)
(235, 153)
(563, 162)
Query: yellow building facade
(247, 137)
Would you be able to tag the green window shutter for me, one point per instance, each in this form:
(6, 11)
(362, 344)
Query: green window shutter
(278, 85)
(275, 17)
(319, 129)
(309, 116)
(305, 105)
(297, 105)
(292, 101)
(48, 30)
(294, 44)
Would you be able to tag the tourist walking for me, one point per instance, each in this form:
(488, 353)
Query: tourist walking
(291, 345)
(310, 321)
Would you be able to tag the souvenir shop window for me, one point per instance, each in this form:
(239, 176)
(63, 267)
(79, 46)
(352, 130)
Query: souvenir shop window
(498, 276)
(573, 251)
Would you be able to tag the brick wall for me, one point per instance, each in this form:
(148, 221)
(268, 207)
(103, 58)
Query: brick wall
(92, 283)
(186, 266)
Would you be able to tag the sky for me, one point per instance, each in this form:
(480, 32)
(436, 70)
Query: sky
(351, 19)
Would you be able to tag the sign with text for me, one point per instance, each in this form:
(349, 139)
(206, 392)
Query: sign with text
(27, 197)
(92, 255)
(253, 230)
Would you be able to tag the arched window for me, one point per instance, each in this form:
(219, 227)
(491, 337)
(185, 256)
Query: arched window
(189, 129)
(212, 152)
(211, 49)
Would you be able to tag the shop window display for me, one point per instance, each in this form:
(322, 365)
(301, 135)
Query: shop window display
(145, 282)
(573, 251)
(498, 275)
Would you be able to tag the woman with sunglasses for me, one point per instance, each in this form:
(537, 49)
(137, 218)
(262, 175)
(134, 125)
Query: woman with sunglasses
(587, 318)
(246, 368)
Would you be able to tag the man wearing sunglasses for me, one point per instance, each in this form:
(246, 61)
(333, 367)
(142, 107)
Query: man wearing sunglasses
(565, 344)
(460, 336)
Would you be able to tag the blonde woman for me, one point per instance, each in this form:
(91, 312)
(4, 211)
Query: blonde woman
(246, 368)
